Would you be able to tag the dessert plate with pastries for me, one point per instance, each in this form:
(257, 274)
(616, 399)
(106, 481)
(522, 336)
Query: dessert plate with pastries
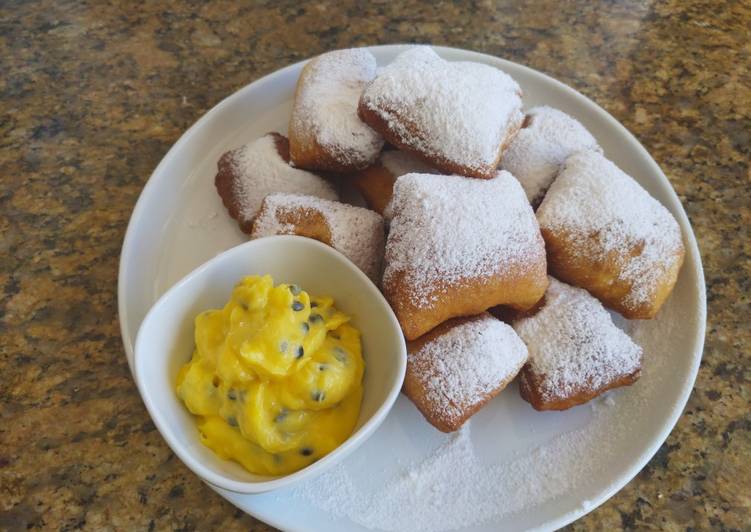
(541, 268)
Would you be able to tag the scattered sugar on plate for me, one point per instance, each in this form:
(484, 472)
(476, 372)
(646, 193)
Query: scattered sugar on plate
(459, 111)
(326, 104)
(592, 196)
(455, 487)
(355, 232)
(260, 170)
(452, 228)
(540, 148)
(574, 344)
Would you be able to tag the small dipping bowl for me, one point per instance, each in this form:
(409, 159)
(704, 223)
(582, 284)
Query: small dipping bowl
(165, 343)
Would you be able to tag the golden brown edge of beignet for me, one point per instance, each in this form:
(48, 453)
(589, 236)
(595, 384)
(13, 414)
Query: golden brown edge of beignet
(305, 221)
(601, 276)
(529, 388)
(376, 185)
(374, 120)
(520, 288)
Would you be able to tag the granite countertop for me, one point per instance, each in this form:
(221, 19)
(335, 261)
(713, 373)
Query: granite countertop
(94, 94)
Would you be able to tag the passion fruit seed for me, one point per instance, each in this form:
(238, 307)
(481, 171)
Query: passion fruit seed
(340, 354)
(297, 306)
(294, 289)
(281, 416)
(318, 395)
(305, 327)
(306, 451)
(232, 420)
(283, 346)
(315, 317)
(300, 352)
(232, 395)
(321, 367)
(314, 304)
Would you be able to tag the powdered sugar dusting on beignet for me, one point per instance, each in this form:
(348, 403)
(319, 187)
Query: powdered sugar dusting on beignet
(356, 232)
(326, 106)
(447, 229)
(260, 170)
(466, 364)
(574, 344)
(455, 112)
(539, 149)
(592, 197)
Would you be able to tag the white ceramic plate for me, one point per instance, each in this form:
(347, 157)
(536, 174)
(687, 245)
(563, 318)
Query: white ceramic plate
(572, 461)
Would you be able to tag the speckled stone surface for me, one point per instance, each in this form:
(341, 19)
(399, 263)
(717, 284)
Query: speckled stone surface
(94, 94)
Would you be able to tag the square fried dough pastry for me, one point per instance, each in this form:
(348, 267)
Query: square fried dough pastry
(458, 246)
(247, 174)
(575, 350)
(605, 233)
(355, 232)
(456, 116)
(547, 137)
(455, 369)
(325, 132)
(376, 183)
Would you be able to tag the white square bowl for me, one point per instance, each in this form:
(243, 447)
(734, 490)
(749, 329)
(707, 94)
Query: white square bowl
(165, 343)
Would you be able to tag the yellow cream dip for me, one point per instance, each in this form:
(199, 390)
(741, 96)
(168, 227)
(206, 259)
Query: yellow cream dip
(276, 377)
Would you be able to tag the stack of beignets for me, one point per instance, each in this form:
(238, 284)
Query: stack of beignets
(463, 236)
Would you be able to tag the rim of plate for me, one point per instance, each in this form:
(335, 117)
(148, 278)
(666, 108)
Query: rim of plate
(675, 206)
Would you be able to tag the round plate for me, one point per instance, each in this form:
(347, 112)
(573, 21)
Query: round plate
(551, 467)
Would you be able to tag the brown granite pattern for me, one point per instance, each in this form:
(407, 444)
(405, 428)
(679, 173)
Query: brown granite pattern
(93, 95)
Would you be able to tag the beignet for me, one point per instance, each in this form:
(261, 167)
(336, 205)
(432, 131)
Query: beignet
(455, 369)
(325, 132)
(459, 246)
(575, 350)
(376, 183)
(248, 173)
(456, 116)
(537, 152)
(605, 233)
(355, 232)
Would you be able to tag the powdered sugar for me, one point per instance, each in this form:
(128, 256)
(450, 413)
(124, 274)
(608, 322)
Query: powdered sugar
(574, 345)
(462, 366)
(326, 105)
(356, 232)
(260, 170)
(399, 163)
(458, 485)
(538, 150)
(446, 229)
(593, 198)
(460, 112)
